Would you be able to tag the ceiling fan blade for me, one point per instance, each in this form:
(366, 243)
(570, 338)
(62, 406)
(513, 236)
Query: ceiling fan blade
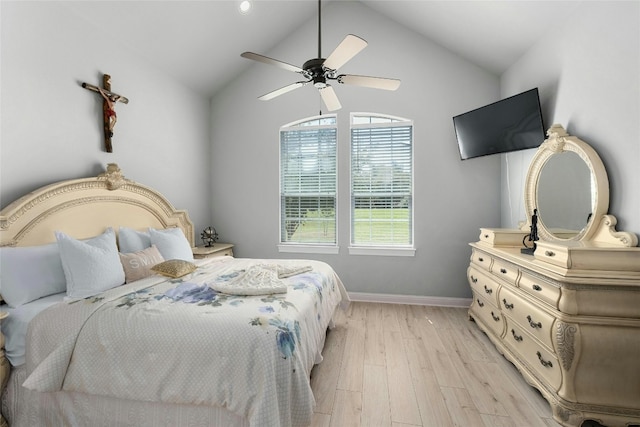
(366, 81)
(271, 61)
(281, 91)
(347, 49)
(329, 98)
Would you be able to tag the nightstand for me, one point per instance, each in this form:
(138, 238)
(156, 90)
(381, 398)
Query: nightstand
(218, 249)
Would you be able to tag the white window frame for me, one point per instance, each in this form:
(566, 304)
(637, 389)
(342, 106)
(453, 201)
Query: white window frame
(381, 249)
(296, 247)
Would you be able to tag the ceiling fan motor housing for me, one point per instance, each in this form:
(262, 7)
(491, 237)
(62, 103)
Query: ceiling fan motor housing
(315, 71)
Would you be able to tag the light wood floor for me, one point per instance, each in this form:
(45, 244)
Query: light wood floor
(404, 365)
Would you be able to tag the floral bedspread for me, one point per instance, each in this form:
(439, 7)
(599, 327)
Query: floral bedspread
(180, 341)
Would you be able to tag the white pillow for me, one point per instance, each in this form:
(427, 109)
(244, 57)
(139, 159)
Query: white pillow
(30, 272)
(171, 243)
(130, 240)
(90, 266)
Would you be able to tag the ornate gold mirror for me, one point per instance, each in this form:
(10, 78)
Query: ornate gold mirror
(568, 185)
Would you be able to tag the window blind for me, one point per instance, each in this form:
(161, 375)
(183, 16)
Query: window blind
(381, 182)
(308, 183)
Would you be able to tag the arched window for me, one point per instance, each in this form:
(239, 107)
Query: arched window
(308, 182)
(381, 181)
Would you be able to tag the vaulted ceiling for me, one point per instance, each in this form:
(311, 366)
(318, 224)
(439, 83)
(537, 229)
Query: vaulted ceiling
(199, 42)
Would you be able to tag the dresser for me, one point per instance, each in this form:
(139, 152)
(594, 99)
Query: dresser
(568, 315)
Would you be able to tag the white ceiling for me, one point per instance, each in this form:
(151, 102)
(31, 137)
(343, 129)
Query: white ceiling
(199, 42)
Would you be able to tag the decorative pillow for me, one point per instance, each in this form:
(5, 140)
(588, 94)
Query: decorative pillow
(171, 243)
(137, 265)
(90, 266)
(130, 240)
(30, 272)
(174, 268)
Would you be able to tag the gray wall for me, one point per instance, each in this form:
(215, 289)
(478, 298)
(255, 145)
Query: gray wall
(51, 128)
(452, 198)
(588, 72)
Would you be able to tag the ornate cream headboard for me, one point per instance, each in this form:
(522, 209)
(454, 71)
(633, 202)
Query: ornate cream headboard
(85, 207)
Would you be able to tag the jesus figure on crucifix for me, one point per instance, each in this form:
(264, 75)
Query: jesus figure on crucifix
(108, 107)
(110, 111)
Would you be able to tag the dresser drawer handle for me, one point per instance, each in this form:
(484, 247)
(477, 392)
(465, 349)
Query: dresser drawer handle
(503, 270)
(516, 337)
(486, 236)
(488, 290)
(474, 279)
(506, 304)
(496, 318)
(480, 303)
(549, 253)
(533, 324)
(536, 288)
(545, 363)
(481, 259)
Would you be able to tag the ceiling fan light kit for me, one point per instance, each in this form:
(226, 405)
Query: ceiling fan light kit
(319, 70)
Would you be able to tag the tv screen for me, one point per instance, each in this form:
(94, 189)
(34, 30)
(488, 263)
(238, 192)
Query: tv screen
(512, 124)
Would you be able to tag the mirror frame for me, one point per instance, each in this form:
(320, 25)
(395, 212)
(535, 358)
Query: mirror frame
(558, 141)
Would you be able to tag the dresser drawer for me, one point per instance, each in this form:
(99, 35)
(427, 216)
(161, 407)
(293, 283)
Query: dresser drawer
(481, 259)
(541, 360)
(589, 256)
(484, 311)
(539, 289)
(502, 236)
(506, 271)
(483, 284)
(553, 254)
(526, 315)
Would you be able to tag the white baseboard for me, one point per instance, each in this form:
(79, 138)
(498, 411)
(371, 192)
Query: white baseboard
(410, 299)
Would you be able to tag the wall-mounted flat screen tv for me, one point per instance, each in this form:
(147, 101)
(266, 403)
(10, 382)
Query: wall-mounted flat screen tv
(511, 124)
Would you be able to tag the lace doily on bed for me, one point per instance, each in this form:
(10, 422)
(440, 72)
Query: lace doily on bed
(259, 279)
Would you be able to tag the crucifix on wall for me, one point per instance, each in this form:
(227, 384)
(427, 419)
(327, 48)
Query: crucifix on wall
(108, 108)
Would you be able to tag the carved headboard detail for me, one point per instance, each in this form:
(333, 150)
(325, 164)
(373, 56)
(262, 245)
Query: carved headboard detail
(85, 207)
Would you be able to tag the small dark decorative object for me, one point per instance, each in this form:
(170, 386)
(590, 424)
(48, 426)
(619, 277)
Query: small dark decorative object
(208, 236)
(532, 236)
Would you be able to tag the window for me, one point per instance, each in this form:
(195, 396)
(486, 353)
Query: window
(308, 182)
(381, 181)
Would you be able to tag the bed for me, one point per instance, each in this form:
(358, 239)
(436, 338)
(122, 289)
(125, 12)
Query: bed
(218, 341)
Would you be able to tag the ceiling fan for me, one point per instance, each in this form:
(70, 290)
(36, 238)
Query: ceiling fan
(320, 71)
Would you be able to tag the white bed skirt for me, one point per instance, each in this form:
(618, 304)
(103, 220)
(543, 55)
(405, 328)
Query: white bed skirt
(25, 408)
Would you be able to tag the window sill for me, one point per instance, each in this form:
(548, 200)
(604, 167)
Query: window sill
(309, 249)
(381, 251)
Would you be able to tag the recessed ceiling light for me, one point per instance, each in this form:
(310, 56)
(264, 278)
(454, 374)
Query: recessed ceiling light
(245, 6)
